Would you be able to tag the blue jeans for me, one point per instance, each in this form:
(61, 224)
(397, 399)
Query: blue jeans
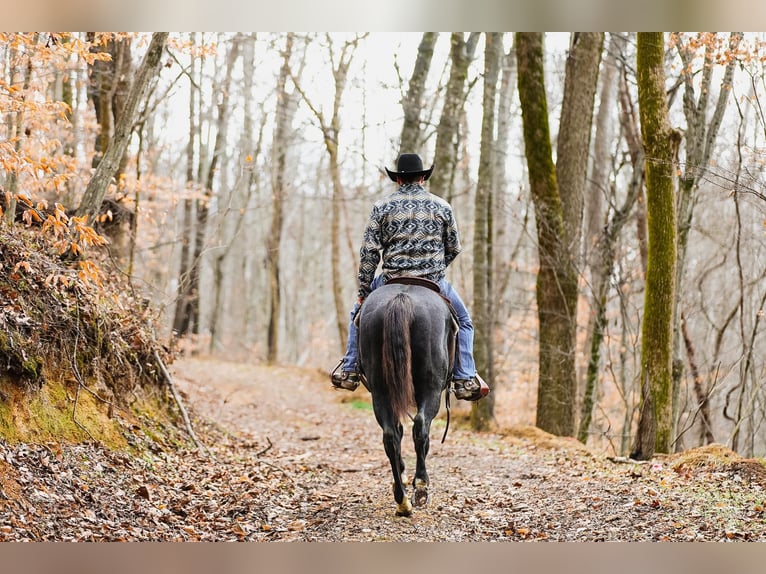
(465, 368)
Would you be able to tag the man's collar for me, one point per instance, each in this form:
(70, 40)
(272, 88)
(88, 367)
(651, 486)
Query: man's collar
(411, 188)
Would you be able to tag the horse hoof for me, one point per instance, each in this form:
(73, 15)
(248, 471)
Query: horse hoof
(404, 508)
(420, 496)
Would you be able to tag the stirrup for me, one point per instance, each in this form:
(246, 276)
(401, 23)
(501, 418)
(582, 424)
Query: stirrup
(470, 389)
(347, 380)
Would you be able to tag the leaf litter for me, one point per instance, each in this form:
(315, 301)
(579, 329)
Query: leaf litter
(287, 458)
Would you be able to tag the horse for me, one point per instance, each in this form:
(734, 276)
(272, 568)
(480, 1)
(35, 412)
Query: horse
(407, 338)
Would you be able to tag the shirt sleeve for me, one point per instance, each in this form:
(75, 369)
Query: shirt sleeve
(452, 244)
(369, 253)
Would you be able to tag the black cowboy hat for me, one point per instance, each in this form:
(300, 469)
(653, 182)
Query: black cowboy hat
(409, 164)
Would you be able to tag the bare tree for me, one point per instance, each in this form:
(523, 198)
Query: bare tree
(341, 62)
(183, 313)
(284, 116)
(604, 255)
(482, 412)
(231, 216)
(700, 138)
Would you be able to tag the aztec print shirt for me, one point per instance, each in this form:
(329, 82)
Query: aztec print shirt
(416, 232)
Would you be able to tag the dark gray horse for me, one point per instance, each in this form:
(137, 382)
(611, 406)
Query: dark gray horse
(406, 347)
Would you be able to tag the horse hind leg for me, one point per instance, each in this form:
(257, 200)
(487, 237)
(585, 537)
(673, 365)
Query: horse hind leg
(392, 438)
(420, 430)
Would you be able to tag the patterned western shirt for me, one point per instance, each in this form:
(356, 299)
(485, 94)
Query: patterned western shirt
(416, 233)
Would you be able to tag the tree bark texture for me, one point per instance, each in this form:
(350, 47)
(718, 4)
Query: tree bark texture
(580, 83)
(410, 141)
(655, 423)
(110, 164)
(598, 187)
(447, 132)
(556, 279)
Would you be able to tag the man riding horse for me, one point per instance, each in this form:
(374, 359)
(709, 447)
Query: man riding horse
(417, 235)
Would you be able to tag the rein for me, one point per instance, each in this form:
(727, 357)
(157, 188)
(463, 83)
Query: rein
(446, 405)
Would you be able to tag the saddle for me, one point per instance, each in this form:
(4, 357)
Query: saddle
(423, 282)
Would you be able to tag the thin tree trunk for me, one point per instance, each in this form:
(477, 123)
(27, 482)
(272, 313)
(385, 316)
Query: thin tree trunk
(15, 129)
(331, 133)
(483, 411)
(410, 141)
(602, 268)
(181, 318)
(655, 424)
(228, 215)
(598, 187)
(203, 204)
(700, 138)
(284, 115)
(703, 404)
(604, 253)
(580, 85)
(447, 143)
(107, 168)
(503, 260)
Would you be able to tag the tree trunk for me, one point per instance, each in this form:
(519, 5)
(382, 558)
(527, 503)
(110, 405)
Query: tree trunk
(284, 116)
(410, 141)
(482, 411)
(557, 275)
(598, 188)
(504, 253)
(203, 204)
(447, 143)
(600, 238)
(655, 424)
(580, 84)
(331, 133)
(231, 209)
(182, 316)
(110, 164)
(601, 274)
(15, 129)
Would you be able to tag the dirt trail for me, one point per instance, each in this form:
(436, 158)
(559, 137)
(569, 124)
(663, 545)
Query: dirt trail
(329, 442)
(484, 486)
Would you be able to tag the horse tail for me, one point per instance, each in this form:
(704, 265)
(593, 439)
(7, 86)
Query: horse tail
(397, 354)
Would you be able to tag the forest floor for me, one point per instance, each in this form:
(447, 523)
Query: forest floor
(288, 458)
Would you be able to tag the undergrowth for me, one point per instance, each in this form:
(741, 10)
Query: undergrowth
(73, 335)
